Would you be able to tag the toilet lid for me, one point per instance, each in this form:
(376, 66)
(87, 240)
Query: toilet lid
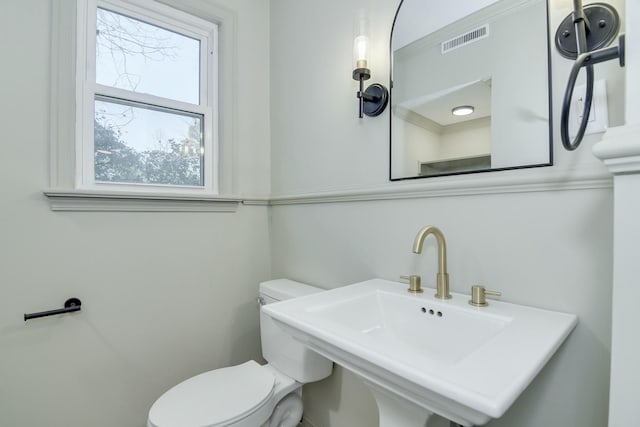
(214, 398)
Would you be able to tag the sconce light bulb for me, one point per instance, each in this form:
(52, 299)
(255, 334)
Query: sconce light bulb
(360, 51)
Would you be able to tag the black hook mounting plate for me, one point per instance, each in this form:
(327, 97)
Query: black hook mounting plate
(604, 25)
(72, 302)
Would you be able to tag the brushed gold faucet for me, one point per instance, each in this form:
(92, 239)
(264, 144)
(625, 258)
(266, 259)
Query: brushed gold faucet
(442, 278)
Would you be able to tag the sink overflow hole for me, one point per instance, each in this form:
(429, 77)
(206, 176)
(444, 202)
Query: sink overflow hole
(431, 312)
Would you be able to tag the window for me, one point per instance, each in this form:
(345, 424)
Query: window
(146, 99)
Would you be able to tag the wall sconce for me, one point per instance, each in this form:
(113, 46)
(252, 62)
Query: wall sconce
(374, 99)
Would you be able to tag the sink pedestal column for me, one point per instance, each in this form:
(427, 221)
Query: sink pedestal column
(398, 412)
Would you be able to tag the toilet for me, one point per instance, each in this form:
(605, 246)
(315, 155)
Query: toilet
(249, 394)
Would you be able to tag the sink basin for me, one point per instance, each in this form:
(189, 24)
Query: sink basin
(424, 331)
(420, 355)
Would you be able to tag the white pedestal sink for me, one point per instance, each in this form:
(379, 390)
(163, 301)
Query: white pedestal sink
(419, 355)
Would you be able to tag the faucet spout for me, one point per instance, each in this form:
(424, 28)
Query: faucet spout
(442, 278)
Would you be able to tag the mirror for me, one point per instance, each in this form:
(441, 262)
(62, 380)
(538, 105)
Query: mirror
(492, 56)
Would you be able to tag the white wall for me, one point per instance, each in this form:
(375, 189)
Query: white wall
(549, 249)
(165, 295)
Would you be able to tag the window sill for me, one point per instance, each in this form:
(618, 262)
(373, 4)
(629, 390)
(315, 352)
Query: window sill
(95, 201)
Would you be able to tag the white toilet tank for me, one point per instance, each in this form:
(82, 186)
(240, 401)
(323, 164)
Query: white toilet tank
(281, 351)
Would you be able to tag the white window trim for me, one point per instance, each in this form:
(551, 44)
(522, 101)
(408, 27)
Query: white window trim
(64, 186)
(87, 89)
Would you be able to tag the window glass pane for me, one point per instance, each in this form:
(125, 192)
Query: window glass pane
(136, 56)
(142, 145)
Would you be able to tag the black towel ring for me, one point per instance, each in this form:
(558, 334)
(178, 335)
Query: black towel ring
(583, 36)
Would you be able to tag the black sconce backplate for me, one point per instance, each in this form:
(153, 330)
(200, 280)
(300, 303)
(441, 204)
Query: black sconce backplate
(375, 100)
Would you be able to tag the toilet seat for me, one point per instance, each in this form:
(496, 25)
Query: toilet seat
(215, 398)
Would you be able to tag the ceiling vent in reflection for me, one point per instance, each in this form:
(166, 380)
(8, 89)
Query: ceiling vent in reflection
(465, 39)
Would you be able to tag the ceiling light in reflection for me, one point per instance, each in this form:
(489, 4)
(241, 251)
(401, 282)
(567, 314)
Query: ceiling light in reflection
(462, 110)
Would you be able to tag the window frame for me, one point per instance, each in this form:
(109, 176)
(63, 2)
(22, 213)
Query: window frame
(87, 90)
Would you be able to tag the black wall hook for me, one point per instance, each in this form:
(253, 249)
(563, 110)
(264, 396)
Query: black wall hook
(583, 36)
(601, 27)
(70, 305)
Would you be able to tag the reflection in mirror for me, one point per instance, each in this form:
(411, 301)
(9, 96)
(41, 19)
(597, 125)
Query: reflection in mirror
(491, 56)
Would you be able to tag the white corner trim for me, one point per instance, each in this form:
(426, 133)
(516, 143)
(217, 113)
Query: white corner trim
(619, 149)
(94, 201)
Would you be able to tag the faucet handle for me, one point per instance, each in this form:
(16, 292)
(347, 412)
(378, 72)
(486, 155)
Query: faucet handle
(414, 283)
(478, 294)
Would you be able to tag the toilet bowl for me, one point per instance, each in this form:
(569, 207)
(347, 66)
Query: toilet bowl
(249, 394)
(244, 395)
